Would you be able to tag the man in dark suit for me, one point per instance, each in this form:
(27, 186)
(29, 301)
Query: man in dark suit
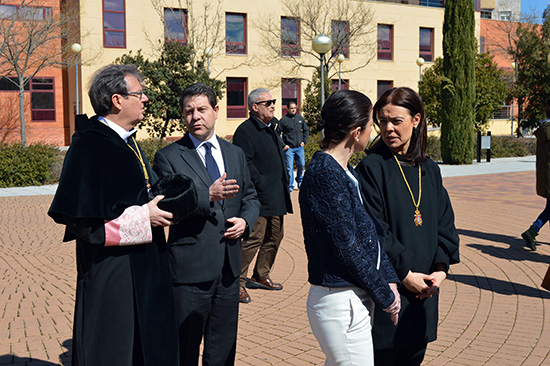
(263, 148)
(205, 249)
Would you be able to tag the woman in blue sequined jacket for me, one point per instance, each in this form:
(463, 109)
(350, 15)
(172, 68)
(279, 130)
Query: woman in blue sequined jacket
(348, 269)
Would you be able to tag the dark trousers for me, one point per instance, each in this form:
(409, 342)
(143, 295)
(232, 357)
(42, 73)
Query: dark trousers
(209, 309)
(264, 240)
(400, 356)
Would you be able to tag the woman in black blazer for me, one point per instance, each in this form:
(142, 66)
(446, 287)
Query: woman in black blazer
(348, 269)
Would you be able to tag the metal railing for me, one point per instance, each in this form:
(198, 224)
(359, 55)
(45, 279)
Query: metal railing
(430, 3)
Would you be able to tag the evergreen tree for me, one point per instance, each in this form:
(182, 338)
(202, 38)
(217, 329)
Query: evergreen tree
(458, 87)
(311, 108)
(164, 80)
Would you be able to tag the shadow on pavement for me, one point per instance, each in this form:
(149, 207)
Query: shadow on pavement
(499, 286)
(516, 250)
(10, 359)
(65, 358)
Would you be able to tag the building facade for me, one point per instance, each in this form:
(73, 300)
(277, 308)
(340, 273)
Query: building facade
(254, 44)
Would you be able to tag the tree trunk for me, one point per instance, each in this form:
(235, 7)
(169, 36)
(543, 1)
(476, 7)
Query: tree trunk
(22, 114)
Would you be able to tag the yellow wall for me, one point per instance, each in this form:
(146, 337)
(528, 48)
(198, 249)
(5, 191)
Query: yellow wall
(144, 25)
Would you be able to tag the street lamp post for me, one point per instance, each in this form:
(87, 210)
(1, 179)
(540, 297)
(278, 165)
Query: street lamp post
(76, 48)
(513, 65)
(340, 59)
(322, 44)
(419, 62)
(208, 53)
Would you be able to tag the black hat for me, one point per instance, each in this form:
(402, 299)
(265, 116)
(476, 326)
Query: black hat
(180, 195)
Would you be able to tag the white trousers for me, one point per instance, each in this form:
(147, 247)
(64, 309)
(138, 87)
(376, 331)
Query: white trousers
(341, 320)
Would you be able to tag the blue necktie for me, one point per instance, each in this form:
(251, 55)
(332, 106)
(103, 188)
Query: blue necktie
(211, 166)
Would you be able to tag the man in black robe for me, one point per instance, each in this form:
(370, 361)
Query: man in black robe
(124, 311)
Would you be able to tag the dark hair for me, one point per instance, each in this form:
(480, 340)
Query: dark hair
(547, 108)
(107, 81)
(291, 102)
(343, 111)
(410, 100)
(196, 89)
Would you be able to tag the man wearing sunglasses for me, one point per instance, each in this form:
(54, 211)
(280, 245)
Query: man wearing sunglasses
(263, 149)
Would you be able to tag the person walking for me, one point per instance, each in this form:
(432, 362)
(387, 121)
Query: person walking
(543, 179)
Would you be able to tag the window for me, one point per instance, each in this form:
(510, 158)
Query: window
(340, 38)
(175, 25)
(236, 97)
(382, 86)
(235, 34)
(385, 42)
(426, 44)
(11, 84)
(505, 15)
(290, 92)
(114, 24)
(486, 14)
(334, 84)
(290, 37)
(25, 12)
(42, 99)
(481, 44)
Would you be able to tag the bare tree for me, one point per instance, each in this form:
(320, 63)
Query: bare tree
(33, 37)
(349, 23)
(204, 28)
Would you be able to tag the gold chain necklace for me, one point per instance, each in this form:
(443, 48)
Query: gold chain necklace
(417, 215)
(140, 158)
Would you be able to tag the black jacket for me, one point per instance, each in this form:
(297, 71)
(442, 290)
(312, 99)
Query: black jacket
(263, 149)
(196, 244)
(293, 130)
(344, 241)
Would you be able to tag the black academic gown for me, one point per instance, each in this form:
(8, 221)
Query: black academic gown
(124, 310)
(409, 247)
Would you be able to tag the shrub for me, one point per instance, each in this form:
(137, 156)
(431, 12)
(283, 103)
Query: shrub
(35, 164)
(150, 147)
(501, 147)
(313, 145)
(509, 146)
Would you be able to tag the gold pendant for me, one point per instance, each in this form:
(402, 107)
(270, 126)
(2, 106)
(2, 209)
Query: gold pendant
(417, 218)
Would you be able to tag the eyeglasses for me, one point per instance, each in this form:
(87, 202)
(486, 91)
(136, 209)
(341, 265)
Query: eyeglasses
(268, 103)
(138, 94)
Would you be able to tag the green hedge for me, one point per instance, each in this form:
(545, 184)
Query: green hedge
(313, 145)
(40, 163)
(35, 164)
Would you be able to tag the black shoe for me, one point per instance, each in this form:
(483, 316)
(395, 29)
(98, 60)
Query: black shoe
(529, 237)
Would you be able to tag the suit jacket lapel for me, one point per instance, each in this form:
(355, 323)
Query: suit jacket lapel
(191, 157)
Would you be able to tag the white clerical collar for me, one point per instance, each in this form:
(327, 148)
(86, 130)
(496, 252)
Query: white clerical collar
(198, 143)
(119, 130)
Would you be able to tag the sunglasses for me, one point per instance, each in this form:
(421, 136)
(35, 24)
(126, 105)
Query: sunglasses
(267, 102)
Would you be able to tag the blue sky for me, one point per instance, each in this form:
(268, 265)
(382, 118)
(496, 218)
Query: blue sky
(534, 7)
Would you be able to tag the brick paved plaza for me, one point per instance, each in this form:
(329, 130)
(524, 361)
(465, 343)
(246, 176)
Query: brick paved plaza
(493, 311)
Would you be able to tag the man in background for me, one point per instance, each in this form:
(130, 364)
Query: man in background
(263, 149)
(294, 132)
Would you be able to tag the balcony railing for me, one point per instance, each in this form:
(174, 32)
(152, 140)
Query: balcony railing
(503, 112)
(430, 3)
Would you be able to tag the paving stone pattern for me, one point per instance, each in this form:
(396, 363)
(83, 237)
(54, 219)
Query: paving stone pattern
(492, 309)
